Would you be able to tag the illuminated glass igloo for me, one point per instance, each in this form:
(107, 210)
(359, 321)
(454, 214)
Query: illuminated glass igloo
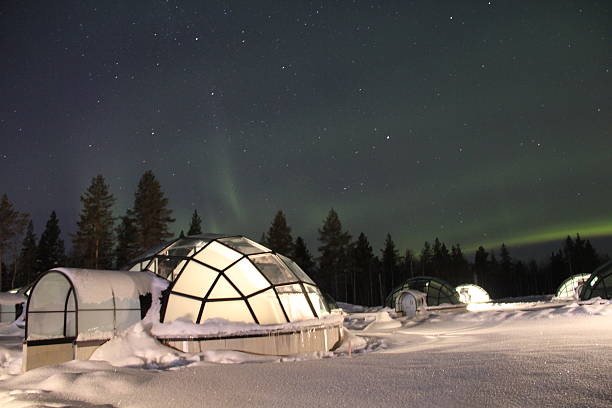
(568, 287)
(599, 284)
(234, 278)
(438, 292)
(471, 293)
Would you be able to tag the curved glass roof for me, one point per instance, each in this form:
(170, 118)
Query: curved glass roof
(234, 278)
(599, 284)
(568, 287)
(438, 291)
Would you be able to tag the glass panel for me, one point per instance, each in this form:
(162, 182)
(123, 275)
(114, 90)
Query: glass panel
(296, 269)
(152, 265)
(126, 318)
(294, 302)
(232, 310)
(180, 307)
(317, 299)
(139, 266)
(185, 247)
(45, 325)
(71, 324)
(218, 256)
(246, 277)
(244, 245)
(169, 267)
(91, 321)
(223, 290)
(267, 309)
(50, 293)
(127, 302)
(152, 251)
(195, 280)
(273, 268)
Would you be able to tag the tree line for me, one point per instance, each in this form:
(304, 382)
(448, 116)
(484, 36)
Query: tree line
(346, 268)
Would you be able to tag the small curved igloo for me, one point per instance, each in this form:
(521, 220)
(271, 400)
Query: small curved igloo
(569, 287)
(599, 284)
(438, 292)
(234, 278)
(471, 293)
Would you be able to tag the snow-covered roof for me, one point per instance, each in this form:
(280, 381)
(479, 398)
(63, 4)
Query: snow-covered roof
(67, 302)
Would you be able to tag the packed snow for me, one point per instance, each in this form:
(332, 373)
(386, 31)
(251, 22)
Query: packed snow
(533, 353)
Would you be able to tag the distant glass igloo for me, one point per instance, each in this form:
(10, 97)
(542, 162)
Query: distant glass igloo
(599, 284)
(568, 287)
(438, 291)
(234, 278)
(470, 293)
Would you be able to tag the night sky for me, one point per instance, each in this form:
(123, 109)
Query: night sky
(478, 122)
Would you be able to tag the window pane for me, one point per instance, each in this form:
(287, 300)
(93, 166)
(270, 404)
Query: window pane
(184, 247)
(232, 310)
(244, 245)
(180, 307)
(273, 268)
(267, 309)
(45, 325)
(126, 318)
(317, 300)
(218, 256)
(246, 277)
(50, 293)
(91, 321)
(294, 302)
(169, 267)
(195, 280)
(71, 324)
(296, 269)
(223, 290)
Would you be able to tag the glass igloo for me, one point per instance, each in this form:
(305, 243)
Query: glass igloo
(438, 291)
(470, 293)
(599, 284)
(233, 278)
(571, 285)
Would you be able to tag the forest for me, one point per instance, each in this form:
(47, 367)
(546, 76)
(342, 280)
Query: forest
(346, 267)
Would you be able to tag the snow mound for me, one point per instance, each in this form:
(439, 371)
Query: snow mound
(383, 321)
(136, 347)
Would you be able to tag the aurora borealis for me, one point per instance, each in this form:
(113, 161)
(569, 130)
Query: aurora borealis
(478, 122)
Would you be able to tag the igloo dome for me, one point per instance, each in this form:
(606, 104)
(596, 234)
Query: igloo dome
(234, 278)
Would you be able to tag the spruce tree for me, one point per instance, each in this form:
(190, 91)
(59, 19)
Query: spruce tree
(50, 246)
(366, 283)
(426, 259)
(12, 224)
(195, 227)
(480, 266)
(151, 214)
(279, 235)
(389, 261)
(93, 241)
(127, 241)
(333, 259)
(302, 256)
(459, 266)
(26, 271)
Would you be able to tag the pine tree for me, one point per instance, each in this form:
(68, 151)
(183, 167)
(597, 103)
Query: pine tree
(426, 259)
(506, 281)
(366, 285)
(279, 235)
(333, 250)
(127, 241)
(302, 256)
(195, 227)
(389, 260)
(50, 246)
(480, 267)
(151, 214)
(459, 266)
(27, 259)
(12, 224)
(93, 241)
